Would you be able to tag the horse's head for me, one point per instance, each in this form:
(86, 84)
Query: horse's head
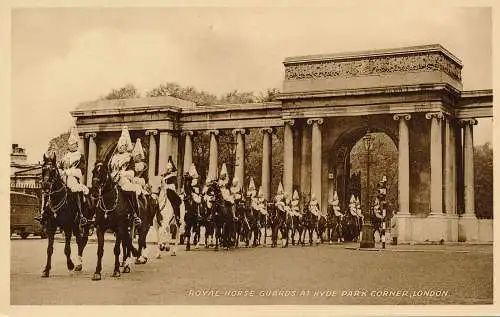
(99, 175)
(49, 171)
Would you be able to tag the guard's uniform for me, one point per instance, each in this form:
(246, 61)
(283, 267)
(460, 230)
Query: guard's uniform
(169, 182)
(122, 172)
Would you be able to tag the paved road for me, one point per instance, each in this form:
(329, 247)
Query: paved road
(325, 274)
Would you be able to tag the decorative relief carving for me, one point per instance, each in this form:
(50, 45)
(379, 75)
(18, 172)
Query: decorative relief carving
(187, 132)
(465, 122)
(90, 135)
(422, 62)
(311, 121)
(438, 115)
(151, 132)
(404, 116)
(240, 131)
(290, 122)
(267, 130)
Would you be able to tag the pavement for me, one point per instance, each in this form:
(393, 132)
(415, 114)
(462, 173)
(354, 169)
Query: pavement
(311, 275)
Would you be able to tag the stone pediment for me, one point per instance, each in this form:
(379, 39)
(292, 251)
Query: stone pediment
(390, 68)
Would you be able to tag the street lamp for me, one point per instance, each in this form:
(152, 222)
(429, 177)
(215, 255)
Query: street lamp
(368, 240)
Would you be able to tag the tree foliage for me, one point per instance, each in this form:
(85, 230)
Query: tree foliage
(126, 92)
(483, 180)
(59, 145)
(201, 98)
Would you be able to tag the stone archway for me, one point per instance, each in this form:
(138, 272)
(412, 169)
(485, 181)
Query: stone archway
(340, 161)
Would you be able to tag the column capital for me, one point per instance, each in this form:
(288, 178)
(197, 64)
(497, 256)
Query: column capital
(90, 135)
(241, 131)
(465, 122)
(438, 115)
(151, 132)
(210, 132)
(311, 121)
(290, 122)
(187, 132)
(404, 116)
(267, 130)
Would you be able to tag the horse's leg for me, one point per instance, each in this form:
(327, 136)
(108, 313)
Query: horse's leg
(67, 248)
(81, 241)
(187, 235)
(100, 253)
(50, 251)
(116, 251)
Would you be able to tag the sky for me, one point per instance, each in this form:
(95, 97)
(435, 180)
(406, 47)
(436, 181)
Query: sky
(63, 56)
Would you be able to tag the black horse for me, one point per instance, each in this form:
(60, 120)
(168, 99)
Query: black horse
(285, 226)
(113, 212)
(310, 223)
(61, 211)
(192, 212)
(297, 226)
(148, 209)
(335, 226)
(242, 224)
(274, 222)
(253, 218)
(351, 227)
(205, 220)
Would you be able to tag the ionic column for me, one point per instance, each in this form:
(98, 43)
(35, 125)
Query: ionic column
(188, 150)
(266, 162)
(316, 153)
(469, 207)
(449, 167)
(305, 162)
(92, 156)
(152, 153)
(404, 163)
(239, 166)
(212, 164)
(436, 163)
(288, 157)
(165, 149)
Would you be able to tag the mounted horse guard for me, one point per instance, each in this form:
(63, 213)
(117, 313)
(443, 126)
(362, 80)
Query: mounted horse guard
(192, 202)
(70, 168)
(121, 165)
(140, 169)
(279, 219)
(315, 209)
(264, 215)
(253, 202)
(240, 208)
(337, 219)
(296, 217)
(379, 220)
(61, 191)
(229, 210)
(170, 208)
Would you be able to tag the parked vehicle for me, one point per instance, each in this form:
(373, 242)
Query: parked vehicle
(23, 210)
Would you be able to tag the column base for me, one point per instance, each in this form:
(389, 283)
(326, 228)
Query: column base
(468, 228)
(434, 228)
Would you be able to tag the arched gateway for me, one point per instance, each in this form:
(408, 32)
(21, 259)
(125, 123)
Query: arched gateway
(412, 94)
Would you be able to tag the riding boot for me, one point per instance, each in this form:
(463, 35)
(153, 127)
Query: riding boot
(135, 209)
(79, 203)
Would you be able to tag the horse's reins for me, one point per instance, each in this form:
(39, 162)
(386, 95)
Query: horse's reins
(100, 201)
(63, 201)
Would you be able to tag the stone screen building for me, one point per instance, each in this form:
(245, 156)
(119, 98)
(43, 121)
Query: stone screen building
(327, 104)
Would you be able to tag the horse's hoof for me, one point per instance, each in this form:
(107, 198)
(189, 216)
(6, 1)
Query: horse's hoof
(126, 269)
(188, 248)
(71, 266)
(158, 256)
(45, 273)
(96, 277)
(78, 268)
(173, 254)
(122, 264)
(116, 274)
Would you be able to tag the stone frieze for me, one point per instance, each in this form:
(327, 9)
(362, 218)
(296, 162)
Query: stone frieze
(421, 62)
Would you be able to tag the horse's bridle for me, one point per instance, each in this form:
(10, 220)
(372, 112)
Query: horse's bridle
(100, 195)
(50, 192)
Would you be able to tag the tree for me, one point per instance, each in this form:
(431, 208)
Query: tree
(201, 98)
(237, 97)
(269, 95)
(59, 145)
(126, 92)
(483, 181)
